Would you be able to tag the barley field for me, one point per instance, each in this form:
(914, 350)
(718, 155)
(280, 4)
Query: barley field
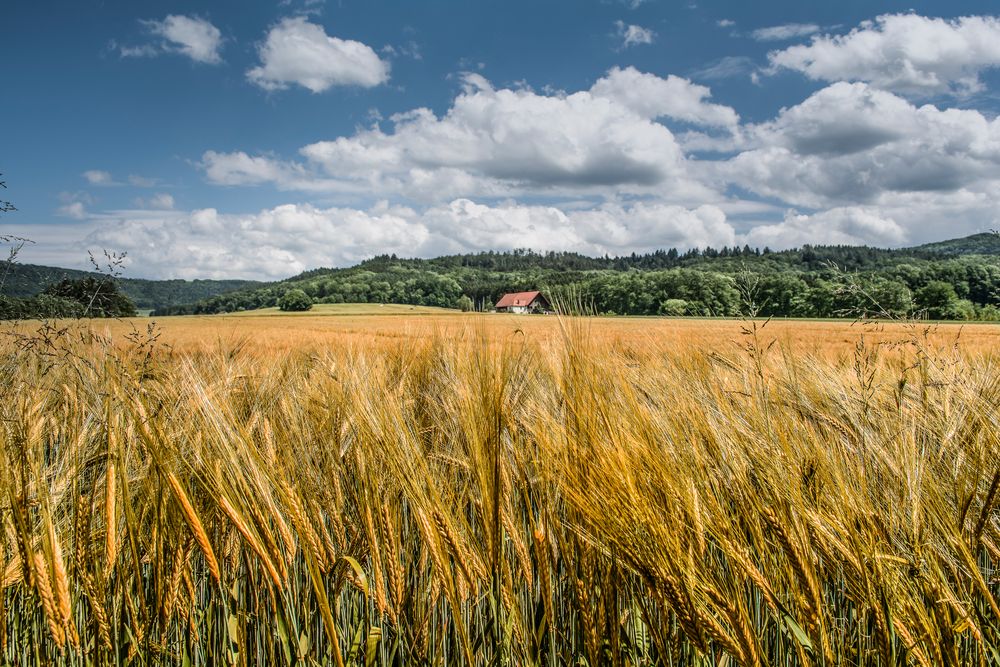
(424, 488)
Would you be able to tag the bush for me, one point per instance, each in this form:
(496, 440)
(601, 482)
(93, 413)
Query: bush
(989, 313)
(673, 307)
(465, 304)
(963, 309)
(295, 300)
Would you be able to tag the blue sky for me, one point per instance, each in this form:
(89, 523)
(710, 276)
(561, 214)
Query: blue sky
(261, 139)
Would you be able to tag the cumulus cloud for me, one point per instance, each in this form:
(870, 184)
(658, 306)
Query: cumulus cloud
(273, 243)
(633, 35)
(852, 144)
(298, 52)
(906, 53)
(780, 33)
(725, 23)
(850, 225)
(651, 96)
(463, 225)
(238, 168)
(494, 142)
(191, 36)
(505, 142)
(899, 219)
(287, 239)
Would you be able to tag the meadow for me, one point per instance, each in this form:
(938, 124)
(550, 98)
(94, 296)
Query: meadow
(376, 487)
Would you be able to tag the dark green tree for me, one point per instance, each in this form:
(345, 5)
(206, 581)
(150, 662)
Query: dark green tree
(99, 298)
(295, 300)
(938, 300)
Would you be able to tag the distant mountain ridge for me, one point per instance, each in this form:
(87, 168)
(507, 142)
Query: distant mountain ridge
(26, 280)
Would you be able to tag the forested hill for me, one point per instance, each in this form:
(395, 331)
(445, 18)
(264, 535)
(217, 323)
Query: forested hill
(958, 280)
(977, 244)
(27, 280)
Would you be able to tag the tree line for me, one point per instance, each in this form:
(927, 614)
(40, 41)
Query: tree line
(953, 280)
(939, 282)
(68, 298)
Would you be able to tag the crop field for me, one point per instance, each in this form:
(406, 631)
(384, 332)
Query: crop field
(359, 486)
(357, 326)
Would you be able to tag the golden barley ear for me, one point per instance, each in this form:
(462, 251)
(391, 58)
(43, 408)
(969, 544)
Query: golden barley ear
(194, 523)
(110, 518)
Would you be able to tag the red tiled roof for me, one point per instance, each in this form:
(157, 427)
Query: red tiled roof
(517, 299)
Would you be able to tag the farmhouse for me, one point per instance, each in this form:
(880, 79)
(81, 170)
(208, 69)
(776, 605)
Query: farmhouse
(523, 302)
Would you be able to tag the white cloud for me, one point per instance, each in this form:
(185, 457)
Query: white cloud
(633, 35)
(651, 96)
(851, 225)
(611, 228)
(513, 139)
(906, 53)
(273, 243)
(98, 177)
(725, 23)
(241, 169)
(780, 33)
(850, 144)
(75, 210)
(296, 51)
(287, 239)
(506, 142)
(899, 219)
(191, 36)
